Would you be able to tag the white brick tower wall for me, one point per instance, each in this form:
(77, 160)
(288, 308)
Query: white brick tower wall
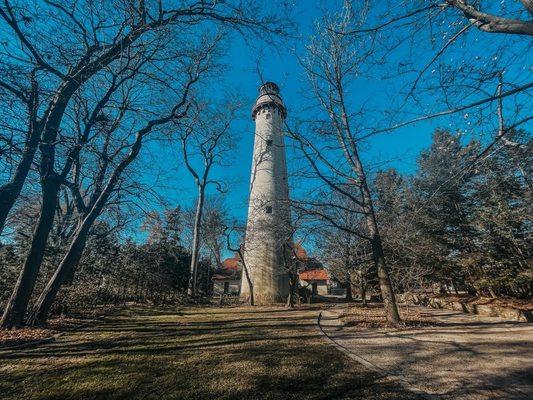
(268, 229)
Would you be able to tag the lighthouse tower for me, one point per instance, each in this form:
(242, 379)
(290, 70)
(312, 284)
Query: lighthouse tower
(268, 229)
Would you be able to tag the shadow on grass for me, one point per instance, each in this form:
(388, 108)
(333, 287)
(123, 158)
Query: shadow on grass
(222, 353)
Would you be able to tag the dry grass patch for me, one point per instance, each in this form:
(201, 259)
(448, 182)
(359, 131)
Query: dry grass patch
(192, 353)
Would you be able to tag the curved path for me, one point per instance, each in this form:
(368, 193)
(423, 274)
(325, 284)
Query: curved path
(462, 357)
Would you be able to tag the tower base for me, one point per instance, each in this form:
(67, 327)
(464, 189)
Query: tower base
(265, 293)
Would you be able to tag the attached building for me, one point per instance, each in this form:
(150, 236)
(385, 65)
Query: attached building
(317, 279)
(227, 278)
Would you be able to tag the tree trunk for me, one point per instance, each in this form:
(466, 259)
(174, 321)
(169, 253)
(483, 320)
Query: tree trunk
(248, 279)
(455, 288)
(385, 285)
(66, 267)
(363, 293)
(18, 303)
(11, 191)
(389, 301)
(293, 289)
(348, 284)
(192, 289)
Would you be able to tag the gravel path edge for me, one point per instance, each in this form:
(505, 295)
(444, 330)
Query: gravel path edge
(331, 314)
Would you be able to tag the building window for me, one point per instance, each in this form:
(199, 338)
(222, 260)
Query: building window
(269, 209)
(269, 142)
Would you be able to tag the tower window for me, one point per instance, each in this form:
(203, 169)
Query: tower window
(269, 210)
(269, 142)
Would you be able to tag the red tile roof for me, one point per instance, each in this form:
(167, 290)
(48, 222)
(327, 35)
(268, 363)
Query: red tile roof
(228, 270)
(231, 264)
(300, 252)
(314, 275)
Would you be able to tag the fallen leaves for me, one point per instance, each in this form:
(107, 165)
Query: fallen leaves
(15, 337)
(373, 316)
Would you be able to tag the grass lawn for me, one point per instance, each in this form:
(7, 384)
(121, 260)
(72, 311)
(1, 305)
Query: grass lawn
(192, 353)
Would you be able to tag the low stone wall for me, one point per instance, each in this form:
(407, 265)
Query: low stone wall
(487, 310)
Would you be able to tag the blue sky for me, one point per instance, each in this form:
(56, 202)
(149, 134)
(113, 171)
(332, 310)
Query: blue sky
(398, 149)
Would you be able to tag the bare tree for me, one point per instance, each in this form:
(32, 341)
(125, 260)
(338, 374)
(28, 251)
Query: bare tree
(90, 212)
(458, 67)
(486, 21)
(205, 139)
(330, 64)
(291, 265)
(10, 190)
(213, 227)
(92, 48)
(239, 250)
(338, 249)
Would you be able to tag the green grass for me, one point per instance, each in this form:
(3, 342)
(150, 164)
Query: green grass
(192, 353)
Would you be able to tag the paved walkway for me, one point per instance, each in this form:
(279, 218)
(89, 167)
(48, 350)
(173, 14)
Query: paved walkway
(463, 357)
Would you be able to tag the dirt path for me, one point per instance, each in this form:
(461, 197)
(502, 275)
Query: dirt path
(463, 357)
(193, 353)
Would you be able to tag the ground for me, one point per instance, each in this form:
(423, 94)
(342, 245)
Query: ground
(450, 355)
(193, 353)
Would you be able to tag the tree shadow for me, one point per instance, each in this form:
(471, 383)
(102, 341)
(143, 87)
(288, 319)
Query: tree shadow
(455, 358)
(160, 355)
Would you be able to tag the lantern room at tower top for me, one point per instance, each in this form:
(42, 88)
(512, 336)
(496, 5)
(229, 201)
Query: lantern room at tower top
(269, 96)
